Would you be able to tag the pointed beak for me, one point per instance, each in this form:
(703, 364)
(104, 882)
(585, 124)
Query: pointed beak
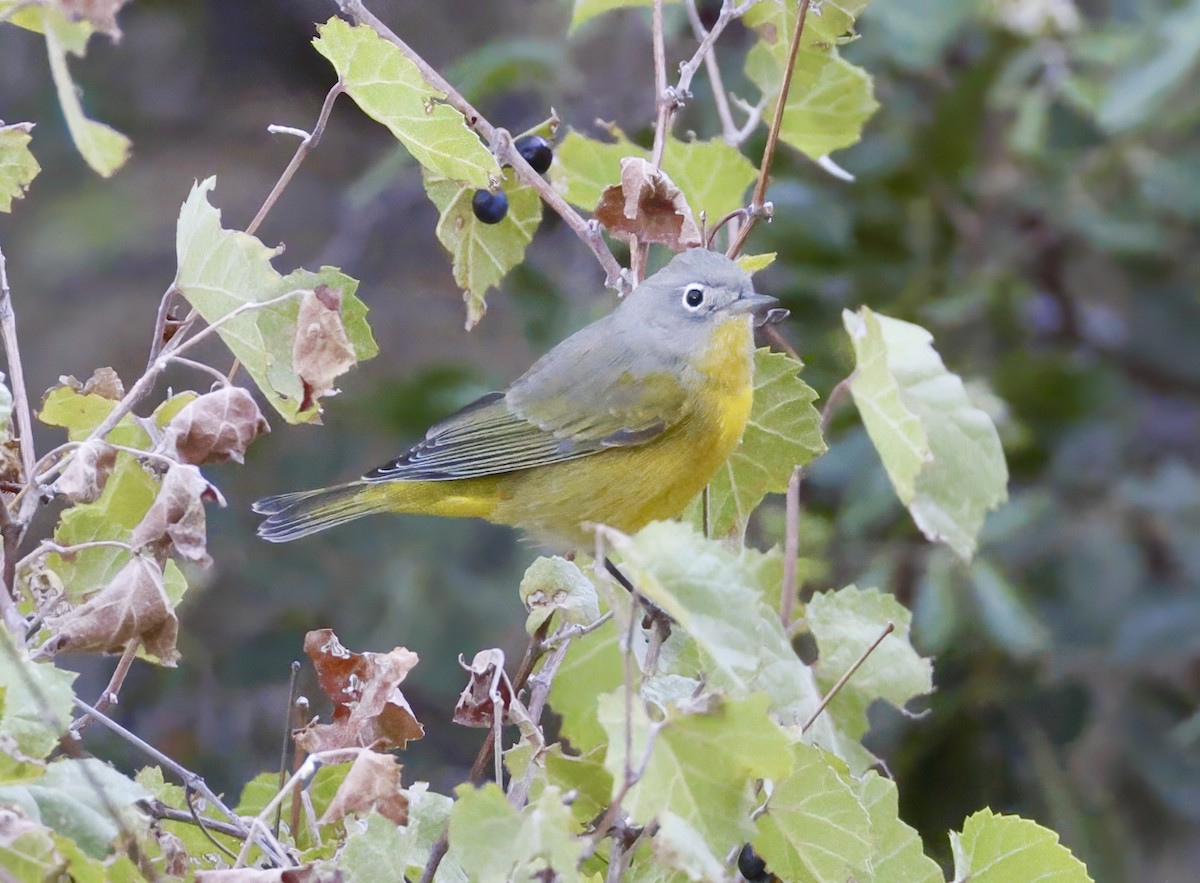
(763, 307)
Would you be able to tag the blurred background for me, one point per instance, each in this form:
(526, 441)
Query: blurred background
(1029, 191)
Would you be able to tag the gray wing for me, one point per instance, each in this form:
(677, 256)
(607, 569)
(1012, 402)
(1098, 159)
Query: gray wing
(577, 400)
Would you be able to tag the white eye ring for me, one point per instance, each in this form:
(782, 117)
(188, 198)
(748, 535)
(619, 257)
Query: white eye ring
(694, 297)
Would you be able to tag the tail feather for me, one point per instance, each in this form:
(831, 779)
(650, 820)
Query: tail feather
(291, 516)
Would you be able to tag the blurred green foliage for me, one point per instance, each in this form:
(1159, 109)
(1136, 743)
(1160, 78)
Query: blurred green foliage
(1029, 191)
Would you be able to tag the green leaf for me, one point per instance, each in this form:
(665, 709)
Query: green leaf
(27, 852)
(556, 584)
(80, 413)
(482, 253)
(701, 767)
(712, 174)
(584, 167)
(942, 454)
(494, 843)
(784, 431)
(126, 498)
(586, 10)
(102, 147)
(678, 845)
(592, 667)
(997, 849)
(829, 100)
(76, 798)
(752, 263)
(815, 830)
(845, 623)
(18, 168)
(221, 270)
(896, 849)
(36, 701)
(390, 89)
(383, 851)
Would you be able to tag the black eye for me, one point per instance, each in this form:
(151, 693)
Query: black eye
(693, 296)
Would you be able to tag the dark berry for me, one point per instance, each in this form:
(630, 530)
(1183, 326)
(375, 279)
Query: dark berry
(753, 868)
(489, 207)
(536, 150)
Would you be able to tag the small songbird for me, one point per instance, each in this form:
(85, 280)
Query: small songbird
(623, 423)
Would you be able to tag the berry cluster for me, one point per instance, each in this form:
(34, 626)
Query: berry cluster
(489, 207)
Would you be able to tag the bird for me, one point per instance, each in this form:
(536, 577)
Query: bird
(622, 423)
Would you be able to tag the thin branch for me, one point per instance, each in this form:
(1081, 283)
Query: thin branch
(308, 142)
(48, 547)
(539, 691)
(11, 616)
(202, 368)
(113, 690)
(570, 633)
(16, 373)
(190, 797)
(664, 103)
(791, 548)
(160, 324)
(758, 205)
(713, 68)
(273, 849)
(156, 809)
(501, 144)
(888, 629)
(287, 738)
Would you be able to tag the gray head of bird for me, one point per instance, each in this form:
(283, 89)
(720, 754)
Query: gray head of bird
(695, 291)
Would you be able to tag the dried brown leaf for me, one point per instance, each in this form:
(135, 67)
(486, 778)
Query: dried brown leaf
(101, 13)
(215, 427)
(85, 476)
(322, 351)
(487, 686)
(175, 521)
(369, 711)
(133, 605)
(648, 205)
(103, 382)
(373, 784)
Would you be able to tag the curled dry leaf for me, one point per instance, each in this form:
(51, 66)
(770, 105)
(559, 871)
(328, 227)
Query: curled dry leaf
(369, 711)
(322, 351)
(101, 13)
(175, 521)
(373, 784)
(215, 427)
(648, 205)
(133, 605)
(488, 685)
(104, 382)
(85, 476)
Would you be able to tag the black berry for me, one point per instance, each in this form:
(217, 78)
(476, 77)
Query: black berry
(753, 868)
(536, 150)
(489, 207)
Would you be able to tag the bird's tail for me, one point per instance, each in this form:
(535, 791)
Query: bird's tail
(291, 516)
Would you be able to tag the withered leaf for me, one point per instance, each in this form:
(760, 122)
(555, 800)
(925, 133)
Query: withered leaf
(133, 605)
(368, 708)
(103, 382)
(215, 427)
(83, 480)
(322, 351)
(101, 13)
(647, 205)
(175, 521)
(373, 783)
(488, 684)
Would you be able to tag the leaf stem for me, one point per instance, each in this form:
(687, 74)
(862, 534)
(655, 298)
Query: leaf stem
(887, 630)
(758, 206)
(308, 142)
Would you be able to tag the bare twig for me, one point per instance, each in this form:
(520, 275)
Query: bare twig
(758, 205)
(570, 633)
(713, 69)
(159, 810)
(189, 797)
(160, 324)
(49, 547)
(308, 142)
(888, 629)
(791, 548)
(190, 780)
(212, 372)
(831, 404)
(501, 146)
(539, 691)
(113, 690)
(16, 373)
(664, 102)
(287, 738)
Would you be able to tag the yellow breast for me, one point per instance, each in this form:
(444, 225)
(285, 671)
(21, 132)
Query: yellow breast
(628, 488)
